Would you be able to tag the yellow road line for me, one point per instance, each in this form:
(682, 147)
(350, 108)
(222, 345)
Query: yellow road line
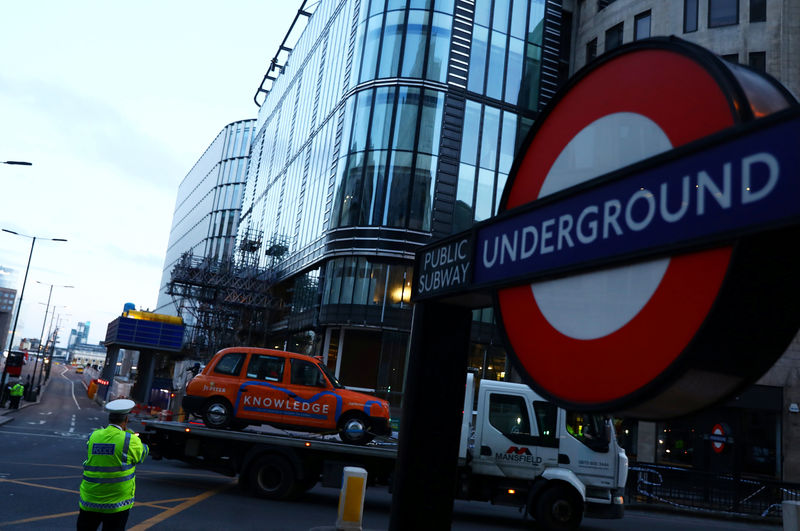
(38, 518)
(36, 485)
(34, 478)
(150, 522)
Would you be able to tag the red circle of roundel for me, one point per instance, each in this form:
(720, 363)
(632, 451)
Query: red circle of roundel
(687, 103)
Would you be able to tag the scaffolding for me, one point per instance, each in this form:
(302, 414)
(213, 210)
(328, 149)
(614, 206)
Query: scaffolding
(224, 302)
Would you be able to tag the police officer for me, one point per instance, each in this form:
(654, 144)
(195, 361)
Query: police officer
(109, 472)
(17, 390)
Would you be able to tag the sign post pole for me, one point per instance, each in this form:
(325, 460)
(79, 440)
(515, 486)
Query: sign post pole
(425, 474)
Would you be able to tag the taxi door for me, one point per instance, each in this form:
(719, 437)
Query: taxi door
(262, 395)
(313, 401)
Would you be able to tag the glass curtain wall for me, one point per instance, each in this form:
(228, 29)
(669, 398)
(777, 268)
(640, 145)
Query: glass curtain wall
(506, 51)
(387, 173)
(208, 202)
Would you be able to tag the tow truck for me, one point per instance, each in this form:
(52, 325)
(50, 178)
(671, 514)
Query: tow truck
(516, 449)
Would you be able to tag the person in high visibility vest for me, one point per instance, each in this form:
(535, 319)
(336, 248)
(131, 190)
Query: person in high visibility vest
(109, 472)
(16, 394)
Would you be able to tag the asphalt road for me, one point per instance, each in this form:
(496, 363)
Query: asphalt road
(43, 447)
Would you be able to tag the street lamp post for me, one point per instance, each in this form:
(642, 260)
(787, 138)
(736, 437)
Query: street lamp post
(50, 338)
(21, 295)
(44, 321)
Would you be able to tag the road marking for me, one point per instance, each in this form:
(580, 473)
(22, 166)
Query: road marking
(38, 518)
(39, 423)
(72, 387)
(28, 484)
(56, 436)
(150, 522)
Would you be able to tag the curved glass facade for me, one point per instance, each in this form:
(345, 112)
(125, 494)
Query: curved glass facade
(387, 173)
(209, 203)
(391, 121)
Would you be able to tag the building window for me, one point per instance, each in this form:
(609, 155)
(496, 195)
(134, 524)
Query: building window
(602, 4)
(591, 50)
(731, 57)
(614, 37)
(758, 61)
(689, 16)
(641, 28)
(723, 13)
(758, 10)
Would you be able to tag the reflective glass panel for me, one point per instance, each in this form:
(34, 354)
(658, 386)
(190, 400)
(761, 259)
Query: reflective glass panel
(500, 16)
(400, 179)
(371, 46)
(431, 122)
(472, 127)
(483, 195)
(416, 37)
(422, 193)
(477, 59)
(497, 60)
(405, 125)
(392, 43)
(490, 138)
(382, 118)
(514, 70)
(439, 47)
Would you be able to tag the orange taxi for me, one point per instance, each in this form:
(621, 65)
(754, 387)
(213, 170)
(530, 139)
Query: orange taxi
(247, 385)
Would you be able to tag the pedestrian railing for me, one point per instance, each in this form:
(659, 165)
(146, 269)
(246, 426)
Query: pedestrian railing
(696, 491)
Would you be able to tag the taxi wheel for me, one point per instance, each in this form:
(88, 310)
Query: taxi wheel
(354, 429)
(217, 413)
(274, 478)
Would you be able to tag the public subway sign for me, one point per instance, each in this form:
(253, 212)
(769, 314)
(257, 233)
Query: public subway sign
(645, 258)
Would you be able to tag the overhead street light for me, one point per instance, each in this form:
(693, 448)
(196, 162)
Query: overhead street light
(21, 295)
(16, 162)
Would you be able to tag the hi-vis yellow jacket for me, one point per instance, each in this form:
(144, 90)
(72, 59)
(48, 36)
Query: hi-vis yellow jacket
(109, 472)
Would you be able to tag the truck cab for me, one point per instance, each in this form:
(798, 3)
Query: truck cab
(559, 464)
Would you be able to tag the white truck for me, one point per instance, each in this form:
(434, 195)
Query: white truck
(516, 449)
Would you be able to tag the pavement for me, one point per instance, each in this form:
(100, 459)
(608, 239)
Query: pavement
(8, 414)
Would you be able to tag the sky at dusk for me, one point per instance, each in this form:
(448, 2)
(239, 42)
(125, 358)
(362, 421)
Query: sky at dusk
(113, 103)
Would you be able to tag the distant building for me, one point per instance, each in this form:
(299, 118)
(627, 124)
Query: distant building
(83, 354)
(79, 335)
(208, 204)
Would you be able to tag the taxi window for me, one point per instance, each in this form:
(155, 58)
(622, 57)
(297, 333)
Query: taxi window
(306, 373)
(268, 368)
(230, 364)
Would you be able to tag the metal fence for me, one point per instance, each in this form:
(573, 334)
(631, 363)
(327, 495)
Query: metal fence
(696, 491)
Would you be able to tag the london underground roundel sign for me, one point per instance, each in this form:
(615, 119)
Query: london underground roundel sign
(658, 335)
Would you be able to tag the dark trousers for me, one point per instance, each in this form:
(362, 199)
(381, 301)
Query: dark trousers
(15, 402)
(90, 520)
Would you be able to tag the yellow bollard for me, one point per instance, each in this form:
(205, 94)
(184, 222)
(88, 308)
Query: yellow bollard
(351, 498)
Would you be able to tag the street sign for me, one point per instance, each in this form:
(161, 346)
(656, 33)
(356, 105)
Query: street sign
(643, 261)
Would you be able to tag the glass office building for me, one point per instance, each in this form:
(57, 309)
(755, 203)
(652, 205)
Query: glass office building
(391, 123)
(208, 205)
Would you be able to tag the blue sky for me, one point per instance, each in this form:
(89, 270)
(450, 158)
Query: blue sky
(113, 102)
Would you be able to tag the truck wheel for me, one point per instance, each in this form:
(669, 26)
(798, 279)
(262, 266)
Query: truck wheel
(217, 413)
(272, 477)
(559, 508)
(354, 429)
